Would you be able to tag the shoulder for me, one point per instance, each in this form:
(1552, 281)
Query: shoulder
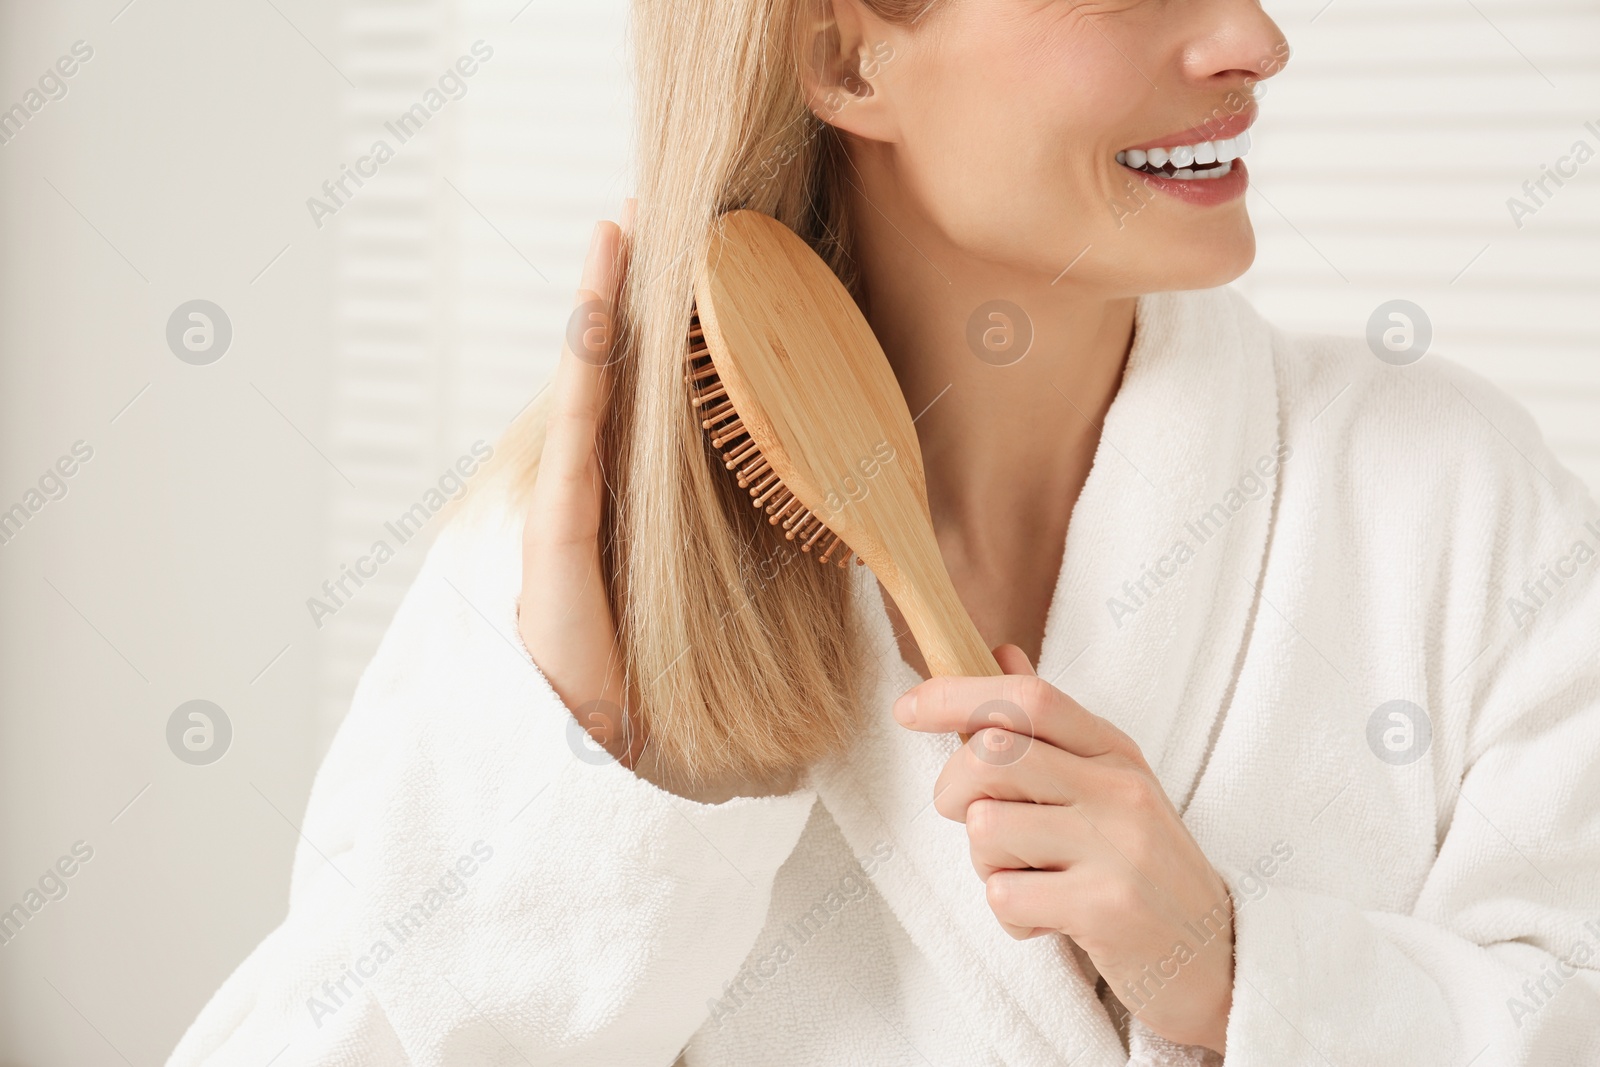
(468, 583)
(457, 618)
(1431, 427)
(1438, 500)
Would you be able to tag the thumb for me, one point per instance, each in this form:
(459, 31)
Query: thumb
(1012, 660)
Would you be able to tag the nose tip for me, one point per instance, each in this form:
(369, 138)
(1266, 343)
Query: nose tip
(1243, 45)
(1277, 58)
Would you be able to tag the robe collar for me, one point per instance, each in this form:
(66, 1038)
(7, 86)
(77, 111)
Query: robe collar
(1146, 628)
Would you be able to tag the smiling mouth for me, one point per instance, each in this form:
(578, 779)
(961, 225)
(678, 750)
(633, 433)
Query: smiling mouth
(1188, 162)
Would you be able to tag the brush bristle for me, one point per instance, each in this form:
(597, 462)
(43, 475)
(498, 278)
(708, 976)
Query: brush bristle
(714, 408)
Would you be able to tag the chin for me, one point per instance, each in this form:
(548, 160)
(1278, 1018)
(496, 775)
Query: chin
(1208, 261)
(1201, 264)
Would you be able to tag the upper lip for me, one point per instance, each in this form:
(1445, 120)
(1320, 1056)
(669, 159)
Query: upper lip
(1219, 129)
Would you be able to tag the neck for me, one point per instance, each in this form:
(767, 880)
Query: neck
(1006, 448)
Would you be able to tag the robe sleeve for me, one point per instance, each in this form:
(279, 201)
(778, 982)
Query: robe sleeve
(1498, 960)
(476, 883)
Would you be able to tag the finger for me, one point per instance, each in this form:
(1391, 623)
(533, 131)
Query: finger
(1098, 907)
(1023, 933)
(1013, 660)
(569, 630)
(1021, 703)
(567, 468)
(1027, 900)
(589, 338)
(1000, 765)
(1003, 835)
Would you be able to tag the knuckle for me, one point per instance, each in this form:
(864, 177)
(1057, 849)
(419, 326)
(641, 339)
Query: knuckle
(1001, 893)
(1139, 846)
(1036, 692)
(985, 762)
(560, 540)
(1120, 744)
(937, 693)
(1107, 907)
(997, 747)
(948, 804)
(578, 424)
(984, 821)
(1122, 900)
(1029, 692)
(1137, 793)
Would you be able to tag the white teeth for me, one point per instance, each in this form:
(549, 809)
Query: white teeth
(1188, 175)
(1214, 154)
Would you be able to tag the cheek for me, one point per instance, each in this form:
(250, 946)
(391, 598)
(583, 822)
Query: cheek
(1009, 136)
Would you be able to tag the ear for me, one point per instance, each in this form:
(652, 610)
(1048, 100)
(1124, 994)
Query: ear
(844, 50)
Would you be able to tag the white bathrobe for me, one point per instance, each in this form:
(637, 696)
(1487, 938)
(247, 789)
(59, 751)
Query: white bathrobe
(1368, 679)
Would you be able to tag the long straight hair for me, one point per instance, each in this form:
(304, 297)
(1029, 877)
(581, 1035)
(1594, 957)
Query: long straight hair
(737, 648)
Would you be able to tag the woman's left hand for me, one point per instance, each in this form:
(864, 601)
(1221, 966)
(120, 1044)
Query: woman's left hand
(1072, 833)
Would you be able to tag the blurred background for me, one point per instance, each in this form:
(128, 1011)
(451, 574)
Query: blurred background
(216, 395)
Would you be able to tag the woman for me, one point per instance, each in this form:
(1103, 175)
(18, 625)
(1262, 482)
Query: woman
(1296, 781)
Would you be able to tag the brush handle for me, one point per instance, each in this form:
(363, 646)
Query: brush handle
(921, 588)
(949, 642)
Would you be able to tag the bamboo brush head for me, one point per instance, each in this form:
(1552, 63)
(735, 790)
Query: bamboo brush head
(797, 396)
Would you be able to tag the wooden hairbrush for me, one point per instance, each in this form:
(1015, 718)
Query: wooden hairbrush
(798, 398)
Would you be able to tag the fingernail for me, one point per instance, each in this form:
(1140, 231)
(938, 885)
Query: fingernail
(905, 709)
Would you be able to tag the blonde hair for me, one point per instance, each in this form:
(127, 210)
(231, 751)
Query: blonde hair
(738, 648)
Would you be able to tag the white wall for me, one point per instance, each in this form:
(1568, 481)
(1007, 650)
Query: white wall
(175, 568)
(421, 316)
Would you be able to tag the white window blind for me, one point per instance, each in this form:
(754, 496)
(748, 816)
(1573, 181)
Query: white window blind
(458, 260)
(1385, 156)
(391, 378)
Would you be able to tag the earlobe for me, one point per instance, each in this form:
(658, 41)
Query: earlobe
(844, 50)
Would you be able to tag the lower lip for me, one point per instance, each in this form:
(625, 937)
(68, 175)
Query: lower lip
(1203, 192)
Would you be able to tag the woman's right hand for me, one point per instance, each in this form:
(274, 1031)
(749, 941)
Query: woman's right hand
(564, 614)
